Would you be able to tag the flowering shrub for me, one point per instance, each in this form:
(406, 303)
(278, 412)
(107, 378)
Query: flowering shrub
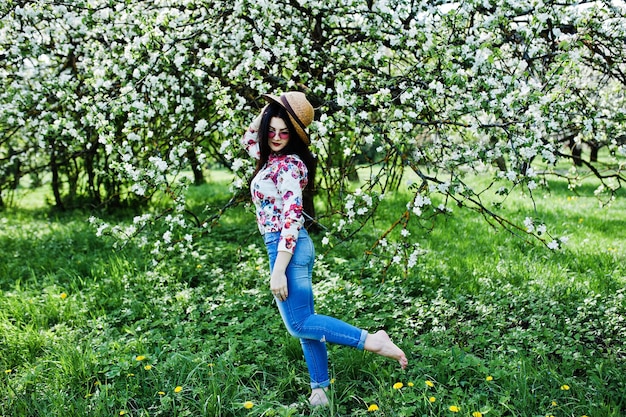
(113, 102)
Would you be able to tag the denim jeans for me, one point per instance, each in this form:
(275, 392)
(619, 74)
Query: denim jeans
(298, 312)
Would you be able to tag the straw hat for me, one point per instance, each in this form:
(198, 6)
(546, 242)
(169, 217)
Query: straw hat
(298, 108)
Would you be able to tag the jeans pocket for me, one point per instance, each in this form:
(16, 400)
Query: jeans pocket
(304, 253)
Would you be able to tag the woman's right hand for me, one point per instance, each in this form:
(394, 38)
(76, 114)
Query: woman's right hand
(256, 123)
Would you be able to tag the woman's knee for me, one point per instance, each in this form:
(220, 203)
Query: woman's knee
(295, 328)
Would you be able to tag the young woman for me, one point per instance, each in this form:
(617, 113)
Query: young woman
(280, 189)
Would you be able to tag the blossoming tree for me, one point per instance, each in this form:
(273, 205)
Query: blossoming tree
(112, 102)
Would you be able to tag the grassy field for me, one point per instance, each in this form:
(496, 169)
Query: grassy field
(493, 325)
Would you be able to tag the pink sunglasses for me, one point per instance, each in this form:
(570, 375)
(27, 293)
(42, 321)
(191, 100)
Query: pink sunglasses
(272, 134)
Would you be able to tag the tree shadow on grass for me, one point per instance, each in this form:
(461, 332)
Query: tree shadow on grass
(40, 248)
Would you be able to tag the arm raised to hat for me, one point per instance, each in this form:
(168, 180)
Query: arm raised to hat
(250, 142)
(256, 123)
(250, 139)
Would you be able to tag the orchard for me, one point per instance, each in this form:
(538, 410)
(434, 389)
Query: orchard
(125, 104)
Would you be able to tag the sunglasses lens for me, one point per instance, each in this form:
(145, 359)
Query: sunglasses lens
(272, 134)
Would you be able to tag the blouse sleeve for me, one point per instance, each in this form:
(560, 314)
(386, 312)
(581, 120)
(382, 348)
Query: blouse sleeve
(250, 142)
(291, 180)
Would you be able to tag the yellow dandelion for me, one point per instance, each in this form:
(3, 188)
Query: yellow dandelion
(372, 408)
(248, 405)
(565, 387)
(8, 371)
(140, 358)
(489, 378)
(211, 365)
(477, 414)
(432, 399)
(130, 375)
(554, 404)
(332, 380)
(429, 383)
(161, 393)
(178, 389)
(398, 385)
(410, 384)
(63, 296)
(199, 266)
(454, 409)
(147, 367)
(122, 412)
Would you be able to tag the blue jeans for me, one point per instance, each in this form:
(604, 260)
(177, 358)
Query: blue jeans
(298, 312)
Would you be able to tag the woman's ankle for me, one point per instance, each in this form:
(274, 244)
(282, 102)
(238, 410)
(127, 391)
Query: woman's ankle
(318, 397)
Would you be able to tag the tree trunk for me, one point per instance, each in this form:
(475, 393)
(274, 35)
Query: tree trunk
(196, 168)
(594, 152)
(92, 187)
(56, 182)
(577, 151)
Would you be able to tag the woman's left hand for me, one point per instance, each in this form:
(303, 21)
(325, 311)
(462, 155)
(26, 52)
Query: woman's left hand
(278, 281)
(278, 285)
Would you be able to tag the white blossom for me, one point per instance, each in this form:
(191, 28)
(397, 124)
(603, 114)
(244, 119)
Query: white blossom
(201, 125)
(511, 175)
(529, 224)
(160, 164)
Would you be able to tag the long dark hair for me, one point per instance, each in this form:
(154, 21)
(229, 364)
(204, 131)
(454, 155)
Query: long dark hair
(295, 146)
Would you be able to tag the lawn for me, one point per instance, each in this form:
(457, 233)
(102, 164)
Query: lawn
(493, 324)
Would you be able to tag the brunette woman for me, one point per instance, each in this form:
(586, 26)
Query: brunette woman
(281, 193)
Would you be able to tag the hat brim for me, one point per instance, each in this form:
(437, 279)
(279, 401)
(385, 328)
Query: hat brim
(296, 123)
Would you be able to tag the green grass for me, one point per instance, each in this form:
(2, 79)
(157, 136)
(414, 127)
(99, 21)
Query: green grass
(493, 322)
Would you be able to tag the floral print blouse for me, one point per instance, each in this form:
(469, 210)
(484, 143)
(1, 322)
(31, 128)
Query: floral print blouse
(277, 193)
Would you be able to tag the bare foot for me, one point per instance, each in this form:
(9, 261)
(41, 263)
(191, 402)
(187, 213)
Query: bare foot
(318, 397)
(381, 343)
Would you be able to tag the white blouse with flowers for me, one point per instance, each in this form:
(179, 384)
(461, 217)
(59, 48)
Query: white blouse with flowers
(277, 193)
